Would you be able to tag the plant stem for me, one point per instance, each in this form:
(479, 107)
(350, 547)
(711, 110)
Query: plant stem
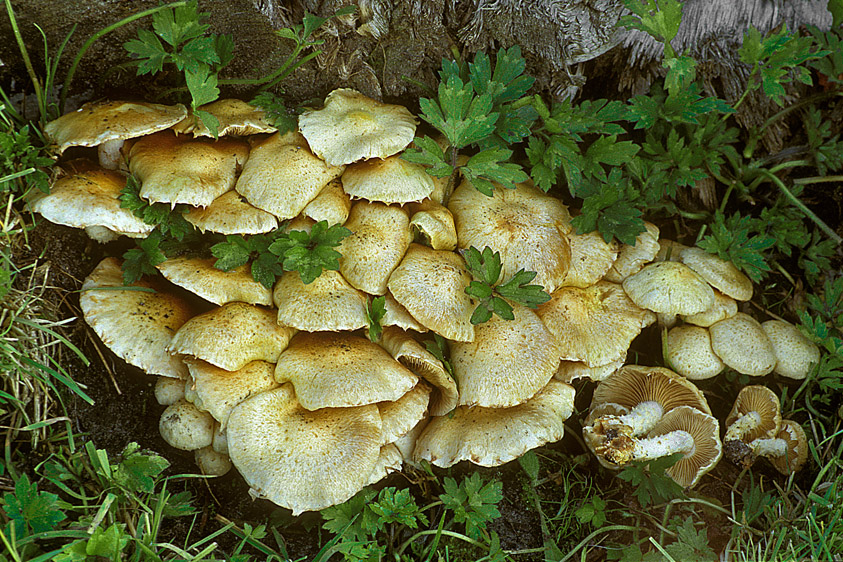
(445, 532)
(817, 179)
(36, 82)
(801, 206)
(84, 49)
(586, 540)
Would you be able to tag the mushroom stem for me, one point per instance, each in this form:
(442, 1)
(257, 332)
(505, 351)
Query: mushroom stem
(643, 417)
(621, 451)
(769, 447)
(109, 154)
(742, 426)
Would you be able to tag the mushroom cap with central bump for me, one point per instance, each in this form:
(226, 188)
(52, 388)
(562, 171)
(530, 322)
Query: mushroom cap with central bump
(299, 459)
(380, 236)
(493, 436)
(594, 325)
(508, 362)
(91, 198)
(249, 332)
(282, 176)
(707, 449)
(177, 170)
(217, 391)
(231, 214)
(200, 277)
(431, 285)
(99, 122)
(670, 288)
(742, 344)
(330, 303)
(634, 384)
(352, 127)
(137, 325)
(720, 274)
(333, 370)
(528, 227)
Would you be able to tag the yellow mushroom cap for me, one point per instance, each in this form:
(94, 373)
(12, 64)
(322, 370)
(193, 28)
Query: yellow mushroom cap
(797, 448)
(380, 236)
(413, 355)
(282, 176)
(398, 417)
(200, 277)
(632, 258)
(137, 325)
(248, 331)
(529, 229)
(594, 325)
(330, 370)
(90, 198)
(493, 436)
(434, 223)
(724, 307)
(720, 274)
(177, 170)
(431, 285)
(331, 205)
(389, 180)
(633, 384)
(689, 353)
(217, 391)
(100, 122)
(763, 401)
(569, 371)
(230, 213)
(236, 117)
(670, 288)
(397, 315)
(330, 303)
(185, 427)
(742, 344)
(389, 460)
(303, 460)
(795, 354)
(591, 259)
(707, 449)
(352, 127)
(508, 362)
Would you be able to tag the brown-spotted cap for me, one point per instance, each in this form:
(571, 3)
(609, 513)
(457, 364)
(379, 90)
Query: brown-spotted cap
(688, 351)
(352, 127)
(336, 369)
(591, 259)
(795, 354)
(331, 205)
(135, 322)
(397, 315)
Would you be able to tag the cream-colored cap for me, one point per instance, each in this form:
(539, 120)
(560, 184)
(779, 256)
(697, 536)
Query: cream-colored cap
(217, 391)
(332, 205)
(632, 258)
(389, 180)
(329, 303)
(795, 354)
(720, 274)
(670, 288)
(200, 277)
(236, 117)
(591, 259)
(688, 351)
(742, 344)
(185, 427)
(230, 213)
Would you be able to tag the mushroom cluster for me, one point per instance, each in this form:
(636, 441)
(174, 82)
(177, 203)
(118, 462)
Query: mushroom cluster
(280, 381)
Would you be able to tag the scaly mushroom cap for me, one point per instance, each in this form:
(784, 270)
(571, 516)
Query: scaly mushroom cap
(330, 303)
(389, 460)
(529, 229)
(591, 259)
(380, 236)
(303, 460)
(689, 353)
(200, 277)
(185, 427)
(249, 333)
(431, 285)
(391, 180)
(707, 448)
(177, 170)
(724, 307)
(333, 370)
(670, 288)
(397, 315)
(282, 176)
(352, 127)
(231, 214)
(720, 274)
(493, 436)
(99, 122)
(569, 371)
(632, 258)
(795, 354)
(797, 448)
(762, 401)
(137, 325)
(508, 362)
(236, 117)
(217, 391)
(398, 417)
(633, 384)
(594, 325)
(91, 198)
(413, 355)
(742, 344)
(434, 223)
(331, 205)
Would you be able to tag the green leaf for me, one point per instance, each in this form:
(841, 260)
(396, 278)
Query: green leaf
(209, 120)
(233, 253)
(198, 51)
(486, 266)
(181, 24)
(138, 470)
(148, 48)
(108, 543)
(429, 153)
(141, 261)
(529, 461)
(202, 84)
(438, 347)
(519, 290)
(472, 502)
(491, 165)
(398, 506)
(375, 312)
(652, 484)
(353, 517)
(277, 112)
(310, 254)
(836, 9)
(31, 510)
(659, 18)
(734, 240)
